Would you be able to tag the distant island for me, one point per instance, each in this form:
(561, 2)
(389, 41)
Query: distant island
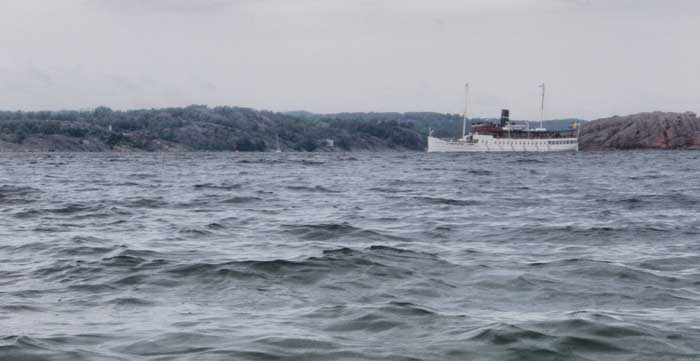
(201, 128)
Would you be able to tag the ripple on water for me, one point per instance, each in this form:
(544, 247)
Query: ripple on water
(381, 256)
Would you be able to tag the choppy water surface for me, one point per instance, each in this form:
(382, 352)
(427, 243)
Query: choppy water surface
(589, 256)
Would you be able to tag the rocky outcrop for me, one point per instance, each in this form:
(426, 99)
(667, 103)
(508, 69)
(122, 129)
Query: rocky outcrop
(657, 130)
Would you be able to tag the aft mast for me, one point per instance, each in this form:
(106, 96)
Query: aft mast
(543, 86)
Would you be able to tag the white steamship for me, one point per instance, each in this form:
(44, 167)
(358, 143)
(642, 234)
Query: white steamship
(506, 137)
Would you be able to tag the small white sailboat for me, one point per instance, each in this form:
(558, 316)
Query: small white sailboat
(506, 137)
(278, 149)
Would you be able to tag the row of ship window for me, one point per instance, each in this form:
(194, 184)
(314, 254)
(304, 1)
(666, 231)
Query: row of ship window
(531, 142)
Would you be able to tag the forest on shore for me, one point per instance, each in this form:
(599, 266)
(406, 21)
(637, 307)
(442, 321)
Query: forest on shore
(203, 128)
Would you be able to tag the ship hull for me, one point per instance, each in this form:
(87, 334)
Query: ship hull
(490, 144)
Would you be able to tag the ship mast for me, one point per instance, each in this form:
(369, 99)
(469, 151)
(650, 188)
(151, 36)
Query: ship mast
(466, 111)
(542, 106)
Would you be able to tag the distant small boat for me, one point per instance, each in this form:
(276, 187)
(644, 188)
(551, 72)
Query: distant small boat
(278, 150)
(506, 137)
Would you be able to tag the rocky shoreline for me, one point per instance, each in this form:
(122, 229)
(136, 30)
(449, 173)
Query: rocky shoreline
(657, 130)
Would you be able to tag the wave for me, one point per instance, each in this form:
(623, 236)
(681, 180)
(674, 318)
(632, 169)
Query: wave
(379, 261)
(261, 161)
(595, 324)
(449, 201)
(79, 265)
(17, 195)
(298, 343)
(31, 247)
(196, 232)
(130, 302)
(241, 200)
(609, 271)
(528, 161)
(681, 263)
(215, 226)
(331, 231)
(82, 267)
(279, 271)
(388, 190)
(480, 172)
(74, 208)
(561, 340)
(223, 186)
(368, 323)
(312, 162)
(22, 308)
(646, 177)
(407, 309)
(673, 199)
(143, 176)
(172, 344)
(407, 182)
(581, 233)
(504, 334)
(320, 189)
(144, 202)
(78, 251)
(27, 214)
(373, 318)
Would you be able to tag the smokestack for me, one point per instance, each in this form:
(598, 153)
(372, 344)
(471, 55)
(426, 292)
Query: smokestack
(505, 117)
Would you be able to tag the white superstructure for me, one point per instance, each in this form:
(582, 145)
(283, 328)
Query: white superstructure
(506, 137)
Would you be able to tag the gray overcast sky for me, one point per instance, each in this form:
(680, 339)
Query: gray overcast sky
(598, 57)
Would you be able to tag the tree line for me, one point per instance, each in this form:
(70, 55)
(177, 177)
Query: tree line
(199, 127)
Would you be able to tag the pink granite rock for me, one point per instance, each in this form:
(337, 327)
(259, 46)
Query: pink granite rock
(656, 130)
